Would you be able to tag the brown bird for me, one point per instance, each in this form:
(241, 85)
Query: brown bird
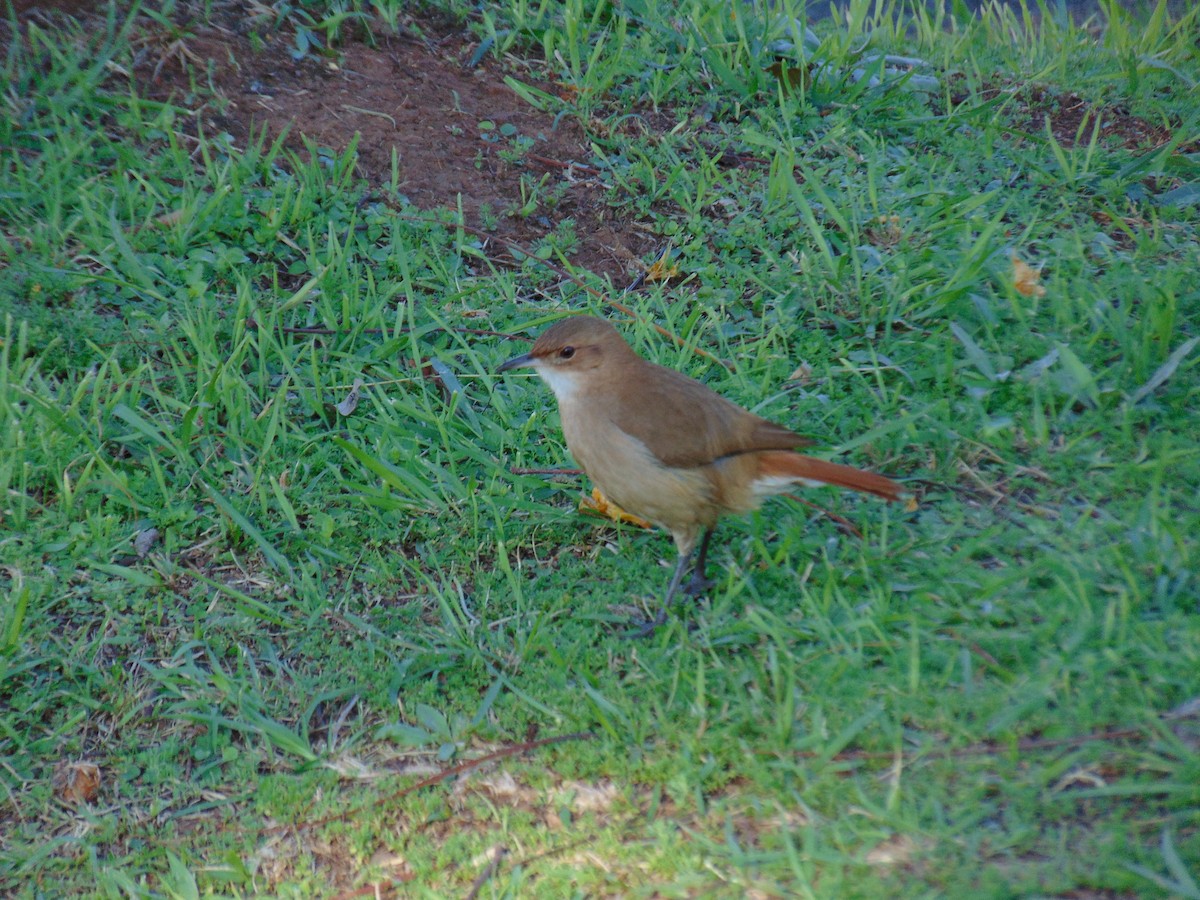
(667, 448)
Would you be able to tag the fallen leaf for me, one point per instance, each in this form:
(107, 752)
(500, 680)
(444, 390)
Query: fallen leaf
(144, 540)
(171, 218)
(394, 863)
(601, 505)
(886, 231)
(1026, 278)
(1083, 777)
(899, 848)
(586, 797)
(803, 373)
(788, 820)
(499, 787)
(348, 405)
(76, 782)
(662, 269)
(790, 77)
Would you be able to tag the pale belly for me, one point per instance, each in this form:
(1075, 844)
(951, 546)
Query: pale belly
(680, 500)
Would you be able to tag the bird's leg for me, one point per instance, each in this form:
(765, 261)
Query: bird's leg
(647, 628)
(698, 583)
(676, 577)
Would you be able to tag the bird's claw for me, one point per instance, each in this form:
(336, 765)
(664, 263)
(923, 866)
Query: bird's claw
(698, 585)
(647, 627)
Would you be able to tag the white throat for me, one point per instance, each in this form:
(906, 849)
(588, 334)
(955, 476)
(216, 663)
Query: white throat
(564, 384)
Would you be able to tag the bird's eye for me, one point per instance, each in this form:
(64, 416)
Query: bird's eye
(566, 352)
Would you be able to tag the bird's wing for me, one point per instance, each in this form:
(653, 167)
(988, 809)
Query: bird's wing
(686, 424)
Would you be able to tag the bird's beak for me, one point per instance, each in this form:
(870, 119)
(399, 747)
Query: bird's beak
(515, 363)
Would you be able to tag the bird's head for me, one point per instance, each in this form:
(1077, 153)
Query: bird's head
(571, 351)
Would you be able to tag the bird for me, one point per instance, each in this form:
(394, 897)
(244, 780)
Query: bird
(668, 448)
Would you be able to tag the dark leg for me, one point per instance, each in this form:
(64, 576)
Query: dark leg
(647, 628)
(698, 584)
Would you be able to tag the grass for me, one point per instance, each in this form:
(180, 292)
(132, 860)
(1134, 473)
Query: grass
(267, 619)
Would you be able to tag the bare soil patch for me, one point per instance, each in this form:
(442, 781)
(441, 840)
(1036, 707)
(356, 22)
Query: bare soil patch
(412, 103)
(411, 98)
(1072, 119)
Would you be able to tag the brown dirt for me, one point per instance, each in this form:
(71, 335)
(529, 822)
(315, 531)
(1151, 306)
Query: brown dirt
(412, 95)
(1072, 118)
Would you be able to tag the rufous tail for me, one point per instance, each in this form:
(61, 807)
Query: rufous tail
(785, 464)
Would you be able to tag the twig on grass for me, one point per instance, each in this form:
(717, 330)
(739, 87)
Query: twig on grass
(561, 164)
(498, 854)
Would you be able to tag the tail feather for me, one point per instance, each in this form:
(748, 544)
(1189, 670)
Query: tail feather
(781, 466)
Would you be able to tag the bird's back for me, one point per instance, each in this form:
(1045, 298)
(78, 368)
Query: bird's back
(684, 423)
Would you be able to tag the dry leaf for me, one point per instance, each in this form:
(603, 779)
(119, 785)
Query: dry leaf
(662, 269)
(1026, 278)
(171, 218)
(392, 862)
(348, 405)
(803, 373)
(76, 782)
(790, 76)
(586, 797)
(788, 820)
(898, 849)
(144, 540)
(499, 787)
(601, 505)
(886, 231)
(1084, 777)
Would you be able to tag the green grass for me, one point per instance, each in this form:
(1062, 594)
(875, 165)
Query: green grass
(334, 604)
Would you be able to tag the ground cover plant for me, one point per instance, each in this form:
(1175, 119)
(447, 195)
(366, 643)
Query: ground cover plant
(297, 596)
